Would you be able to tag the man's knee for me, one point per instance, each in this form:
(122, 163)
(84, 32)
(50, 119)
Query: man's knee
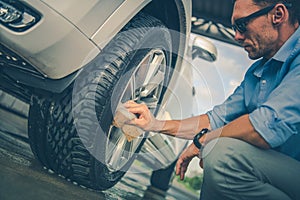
(225, 164)
(221, 151)
(237, 170)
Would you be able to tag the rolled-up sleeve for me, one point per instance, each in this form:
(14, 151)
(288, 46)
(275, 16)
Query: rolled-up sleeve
(278, 117)
(233, 107)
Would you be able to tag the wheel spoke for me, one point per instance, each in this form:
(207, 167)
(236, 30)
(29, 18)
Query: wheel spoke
(113, 138)
(155, 65)
(153, 83)
(155, 74)
(145, 84)
(133, 87)
(115, 152)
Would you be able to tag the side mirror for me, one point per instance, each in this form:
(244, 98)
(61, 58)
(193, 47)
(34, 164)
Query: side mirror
(204, 49)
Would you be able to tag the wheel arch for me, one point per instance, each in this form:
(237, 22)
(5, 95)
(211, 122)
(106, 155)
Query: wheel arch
(176, 15)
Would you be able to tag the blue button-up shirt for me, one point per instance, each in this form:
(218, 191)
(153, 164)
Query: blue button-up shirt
(270, 94)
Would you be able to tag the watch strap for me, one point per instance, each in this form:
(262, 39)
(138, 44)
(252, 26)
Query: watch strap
(198, 136)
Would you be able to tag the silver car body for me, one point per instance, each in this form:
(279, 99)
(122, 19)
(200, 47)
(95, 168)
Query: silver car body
(71, 33)
(80, 32)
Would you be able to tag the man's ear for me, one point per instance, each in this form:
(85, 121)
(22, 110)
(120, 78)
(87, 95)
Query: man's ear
(280, 15)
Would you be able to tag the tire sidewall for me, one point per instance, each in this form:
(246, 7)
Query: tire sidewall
(162, 40)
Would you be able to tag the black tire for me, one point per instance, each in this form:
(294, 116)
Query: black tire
(162, 178)
(70, 133)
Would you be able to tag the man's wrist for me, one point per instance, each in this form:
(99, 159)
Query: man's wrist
(198, 136)
(158, 126)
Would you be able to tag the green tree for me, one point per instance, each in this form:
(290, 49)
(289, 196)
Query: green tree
(195, 182)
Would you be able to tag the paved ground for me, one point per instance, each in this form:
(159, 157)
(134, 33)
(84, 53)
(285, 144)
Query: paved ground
(22, 177)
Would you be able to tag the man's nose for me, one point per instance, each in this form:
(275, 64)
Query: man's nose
(239, 37)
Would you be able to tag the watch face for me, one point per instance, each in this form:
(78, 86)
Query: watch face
(203, 131)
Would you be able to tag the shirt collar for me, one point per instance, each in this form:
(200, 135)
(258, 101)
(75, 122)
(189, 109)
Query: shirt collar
(287, 48)
(281, 55)
(258, 70)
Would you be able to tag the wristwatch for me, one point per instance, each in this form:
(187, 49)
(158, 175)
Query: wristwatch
(198, 136)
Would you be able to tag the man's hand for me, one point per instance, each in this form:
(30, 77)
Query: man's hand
(185, 158)
(145, 119)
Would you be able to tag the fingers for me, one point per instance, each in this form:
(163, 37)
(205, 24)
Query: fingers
(181, 168)
(182, 164)
(132, 103)
(144, 118)
(184, 160)
(140, 122)
(136, 108)
(178, 166)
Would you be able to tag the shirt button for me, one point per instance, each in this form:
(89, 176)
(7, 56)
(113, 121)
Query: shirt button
(263, 82)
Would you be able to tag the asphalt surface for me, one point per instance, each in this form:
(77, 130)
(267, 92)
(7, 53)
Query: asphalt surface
(22, 176)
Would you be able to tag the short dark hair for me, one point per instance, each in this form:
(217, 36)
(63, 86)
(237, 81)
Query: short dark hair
(294, 10)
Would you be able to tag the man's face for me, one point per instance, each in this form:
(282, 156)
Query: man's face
(256, 35)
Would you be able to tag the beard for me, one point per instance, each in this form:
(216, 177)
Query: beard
(261, 46)
(253, 53)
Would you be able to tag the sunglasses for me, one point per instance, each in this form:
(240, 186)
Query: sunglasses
(240, 24)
